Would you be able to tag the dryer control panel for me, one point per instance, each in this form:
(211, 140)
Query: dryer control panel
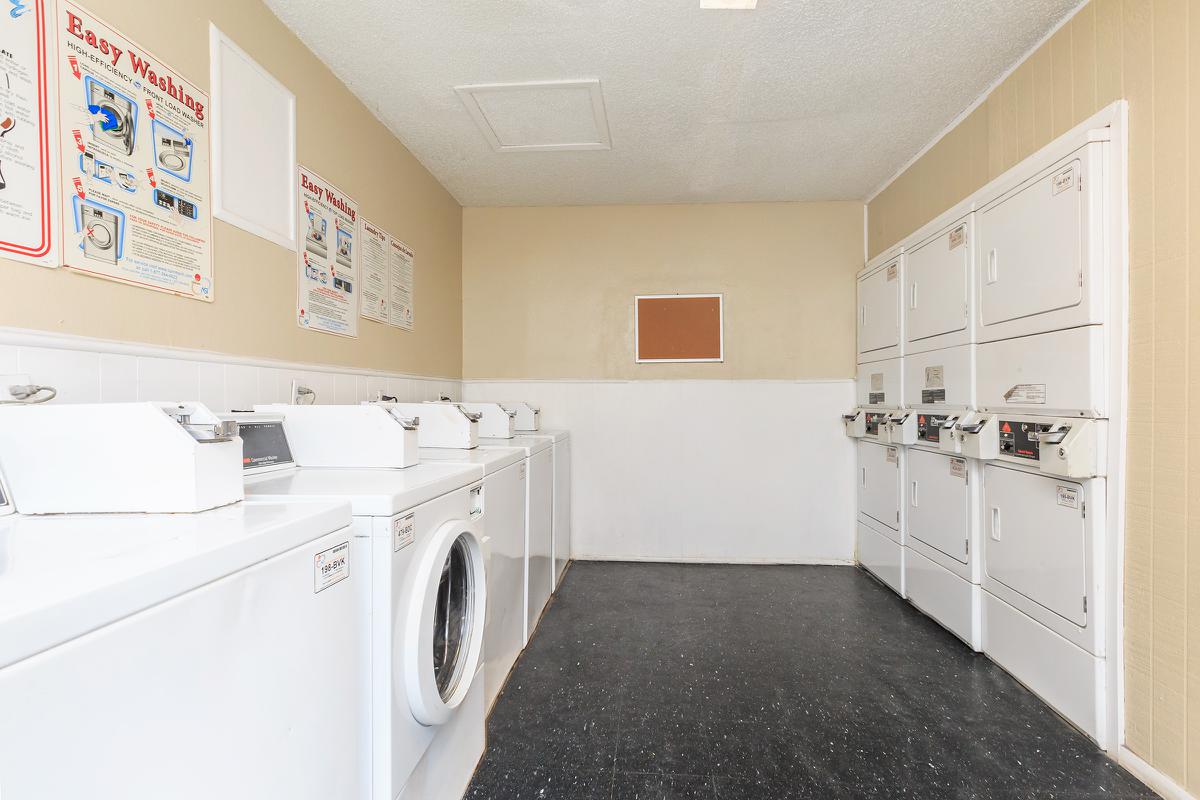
(1067, 447)
(875, 425)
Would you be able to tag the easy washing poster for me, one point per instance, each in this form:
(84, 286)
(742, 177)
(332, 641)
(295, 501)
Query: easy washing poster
(28, 182)
(133, 135)
(327, 286)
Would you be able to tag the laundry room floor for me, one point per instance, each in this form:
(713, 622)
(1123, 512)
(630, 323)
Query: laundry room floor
(675, 682)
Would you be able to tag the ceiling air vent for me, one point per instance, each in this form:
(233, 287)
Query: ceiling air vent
(541, 115)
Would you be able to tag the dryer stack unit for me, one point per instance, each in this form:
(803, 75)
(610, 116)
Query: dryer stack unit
(880, 416)
(1047, 283)
(942, 547)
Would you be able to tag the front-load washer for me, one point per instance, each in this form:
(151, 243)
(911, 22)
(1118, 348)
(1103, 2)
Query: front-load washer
(147, 651)
(503, 524)
(560, 492)
(116, 115)
(101, 233)
(539, 521)
(422, 612)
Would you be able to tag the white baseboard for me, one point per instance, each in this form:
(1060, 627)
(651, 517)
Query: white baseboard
(1151, 776)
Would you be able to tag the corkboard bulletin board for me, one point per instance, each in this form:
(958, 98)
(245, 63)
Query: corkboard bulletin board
(679, 328)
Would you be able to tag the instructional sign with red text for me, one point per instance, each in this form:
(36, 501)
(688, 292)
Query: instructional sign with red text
(327, 280)
(28, 182)
(133, 141)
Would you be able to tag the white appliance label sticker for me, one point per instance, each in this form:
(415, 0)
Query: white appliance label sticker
(1063, 180)
(891, 272)
(1028, 393)
(876, 381)
(331, 566)
(935, 377)
(958, 237)
(403, 531)
(958, 467)
(892, 455)
(1068, 497)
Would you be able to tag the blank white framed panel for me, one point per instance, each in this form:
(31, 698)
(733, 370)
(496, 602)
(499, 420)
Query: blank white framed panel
(253, 144)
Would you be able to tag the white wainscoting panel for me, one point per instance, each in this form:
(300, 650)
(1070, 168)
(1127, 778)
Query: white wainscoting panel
(85, 370)
(714, 471)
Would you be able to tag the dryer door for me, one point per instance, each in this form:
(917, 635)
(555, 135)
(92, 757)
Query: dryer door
(938, 503)
(1036, 538)
(442, 644)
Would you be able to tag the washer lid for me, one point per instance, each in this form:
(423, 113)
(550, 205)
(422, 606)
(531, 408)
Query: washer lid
(63, 575)
(370, 492)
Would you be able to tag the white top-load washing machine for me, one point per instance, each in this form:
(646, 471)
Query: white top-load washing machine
(560, 492)
(503, 521)
(539, 522)
(205, 649)
(441, 424)
(423, 604)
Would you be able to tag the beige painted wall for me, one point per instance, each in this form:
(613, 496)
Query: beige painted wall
(548, 292)
(1147, 51)
(255, 281)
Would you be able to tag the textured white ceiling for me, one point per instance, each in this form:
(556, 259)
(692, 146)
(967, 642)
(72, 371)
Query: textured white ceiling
(797, 100)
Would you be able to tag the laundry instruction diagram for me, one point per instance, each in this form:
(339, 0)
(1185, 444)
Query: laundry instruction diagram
(134, 162)
(327, 286)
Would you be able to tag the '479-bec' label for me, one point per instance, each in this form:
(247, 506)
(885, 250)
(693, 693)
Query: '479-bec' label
(331, 566)
(403, 529)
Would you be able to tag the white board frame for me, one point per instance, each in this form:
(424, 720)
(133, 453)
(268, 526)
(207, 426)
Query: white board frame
(637, 355)
(217, 42)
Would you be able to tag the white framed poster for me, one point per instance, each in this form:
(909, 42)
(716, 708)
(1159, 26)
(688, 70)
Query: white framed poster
(133, 143)
(401, 268)
(327, 264)
(373, 298)
(28, 154)
(387, 278)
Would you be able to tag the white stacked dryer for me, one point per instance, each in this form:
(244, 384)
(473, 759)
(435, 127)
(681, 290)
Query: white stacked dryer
(422, 603)
(942, 562)
(158, 637)
(1050, 297)
(880, 393)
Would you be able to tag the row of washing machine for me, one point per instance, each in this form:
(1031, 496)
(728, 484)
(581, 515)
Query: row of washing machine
(296, 602)
(990, 374)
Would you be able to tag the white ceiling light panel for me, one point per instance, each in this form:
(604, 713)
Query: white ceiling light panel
(742, 5)
(539, 115)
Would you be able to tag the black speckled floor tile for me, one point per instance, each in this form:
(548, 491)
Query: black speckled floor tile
(675, 682)
(635, 786)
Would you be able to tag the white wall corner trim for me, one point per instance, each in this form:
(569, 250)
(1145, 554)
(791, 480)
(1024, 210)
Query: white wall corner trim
(1152, 777)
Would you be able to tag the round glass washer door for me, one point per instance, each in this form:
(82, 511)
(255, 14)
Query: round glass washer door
(443, 633)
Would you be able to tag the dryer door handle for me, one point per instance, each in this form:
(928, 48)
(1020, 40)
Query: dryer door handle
(913, 495)
(995, 525)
